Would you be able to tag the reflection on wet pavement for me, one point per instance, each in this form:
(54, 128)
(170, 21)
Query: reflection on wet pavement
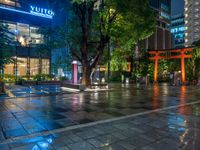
(165, 130)
(35, 90)
(24, 116)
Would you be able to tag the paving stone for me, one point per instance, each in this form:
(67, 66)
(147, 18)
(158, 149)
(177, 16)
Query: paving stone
(96, 142)
(81, 146)
(126, 145)
(27, 147)
(4, 147)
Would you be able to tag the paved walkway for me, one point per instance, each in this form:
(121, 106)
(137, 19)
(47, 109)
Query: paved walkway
(56, 121)
(166, 129)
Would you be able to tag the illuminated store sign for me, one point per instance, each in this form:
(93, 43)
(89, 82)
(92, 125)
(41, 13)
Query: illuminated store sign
(41, 12)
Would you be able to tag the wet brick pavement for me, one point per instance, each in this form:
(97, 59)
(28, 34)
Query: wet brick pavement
(31, 115)
(176, 128)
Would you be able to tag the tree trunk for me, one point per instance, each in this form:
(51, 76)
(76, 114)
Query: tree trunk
(40, 65)
(86, 75)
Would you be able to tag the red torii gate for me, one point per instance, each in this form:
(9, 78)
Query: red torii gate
(182, 55)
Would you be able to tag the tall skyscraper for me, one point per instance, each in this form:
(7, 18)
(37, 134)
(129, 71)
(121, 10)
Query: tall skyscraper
(177, 29)
(192, 21)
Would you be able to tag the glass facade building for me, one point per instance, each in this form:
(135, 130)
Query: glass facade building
(24, 19)
(192, 21)
(177, 28)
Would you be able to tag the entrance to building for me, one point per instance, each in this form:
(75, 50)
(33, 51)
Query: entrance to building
(181, 54)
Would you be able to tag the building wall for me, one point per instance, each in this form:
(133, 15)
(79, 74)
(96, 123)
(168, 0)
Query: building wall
(161, 39)
(192, 21)
(24, 22)
(177, 28)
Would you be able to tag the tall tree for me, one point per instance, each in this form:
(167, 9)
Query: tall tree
(96, 22)
(93, 23)
(193, 65)
(6, 46)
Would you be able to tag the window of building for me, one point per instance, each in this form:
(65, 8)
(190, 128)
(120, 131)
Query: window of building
(36, 38)
(10, 3)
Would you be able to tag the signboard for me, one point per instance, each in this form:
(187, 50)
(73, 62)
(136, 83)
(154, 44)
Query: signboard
(35, 11)
(43, 12)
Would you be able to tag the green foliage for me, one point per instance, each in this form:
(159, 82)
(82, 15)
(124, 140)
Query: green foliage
(8, 78)
(63, 78)
(93, 24)
(43, 77)
(6, 43)
(193, 64)
(118, 60)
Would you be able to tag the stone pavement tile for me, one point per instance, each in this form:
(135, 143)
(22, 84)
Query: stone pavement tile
(1, 136)
(65, 122)
(136, 129)
(31, 146)
(129, 133)
(157, 134)
(119, 135)
(29, 142)
(75, 138)
(106, 129)
(97, 130)
(191, 145)
(27, 120)
(157, 124)
(52, 125)
(87, 133)
(4, 147)
(145, 128)
(161, 145)
(108, 139)
(126, 145)
(139, 141)
(10, 126)
(146, 148)
(18, 144)
(81, 146)
(113, 146)
(15, 133)
(62, 148)
(96, 142)
(140, 120)
(123, 126)
(61, 141)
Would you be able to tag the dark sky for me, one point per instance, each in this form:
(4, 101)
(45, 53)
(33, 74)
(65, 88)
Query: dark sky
(177, 6)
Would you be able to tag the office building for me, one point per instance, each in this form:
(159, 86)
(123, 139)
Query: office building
(161, 39)
(192, 21)
(24, 19)
(177, 28)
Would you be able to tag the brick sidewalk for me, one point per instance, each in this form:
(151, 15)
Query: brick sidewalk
(168, 129)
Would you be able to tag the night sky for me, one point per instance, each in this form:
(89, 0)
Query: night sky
(177, 6)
